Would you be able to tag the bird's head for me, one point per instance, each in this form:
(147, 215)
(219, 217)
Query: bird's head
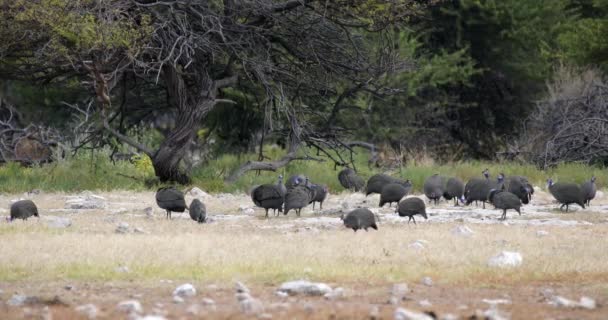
(549, 182)
(501, 177)
(593, 179)
(486, 173)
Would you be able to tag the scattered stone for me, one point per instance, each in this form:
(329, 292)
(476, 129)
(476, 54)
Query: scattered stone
(247, 210)
(492, 314)
(374, 313)
(425, 303)
(85, 200)
(149, 211)
(462, 231)
(58, 222)
(185, 290)
(208, 302)
(337, 293)
(178, 299)
(88, 310)
(506, 259)
(69, 287)
(547, 293)
(587, 303)
(282, 294)
(449, 316)
(305, 287)
(266, 316)
(399, 290)
(198, 193)
(152, 317)
(405, 314)
(122, 269)
(130, 306)
(496, 301)
(251, 306)
(17, 300)
(417, 245)
(240, 287)
(427, 281)
(194, 309)
(123, 227)
(140, 230)
(541, 233)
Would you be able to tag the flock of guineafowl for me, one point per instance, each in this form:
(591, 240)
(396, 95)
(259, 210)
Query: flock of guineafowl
(298, 192)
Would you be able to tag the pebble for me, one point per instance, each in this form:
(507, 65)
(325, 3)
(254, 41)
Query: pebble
(122, 269)
(337, 293)
(427, 281)
(185, 290)
(405, 314)
(130, 306)
(305, 287)
(541, 233)
(463, 231)
(58, 222)
(123, 227)
(89, 310)
(240, 287)
(506, 259)
(17, 300)
(425, 303)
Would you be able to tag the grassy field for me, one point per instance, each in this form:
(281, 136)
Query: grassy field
(94, 171)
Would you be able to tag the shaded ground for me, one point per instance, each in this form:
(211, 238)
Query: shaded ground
(81, 264)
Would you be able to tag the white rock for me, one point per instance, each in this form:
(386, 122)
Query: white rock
(599, 194)
(425, 303)
(541, 233)
(405, 314)
(399, 290)
(240, 287)
(58, 222)
(374, 313)
(17, 300)
(449, 316)
(247, 210)
(140, 230)
(494, 314)
(416, 245)
(427, 281)
(149, 211)
(251, 306)
(463, 231)
(89, 310)
(122, 269)
(185, 290)
(496, 301)
(130, 306)
(86, 200)
(282, 294)
(198, 193)
(178, 300)
(152, 317)
(122, 227)
(560, 301)
(506, 259)
(305, 287)
(587, 303)
(208, 302)
(337, 293)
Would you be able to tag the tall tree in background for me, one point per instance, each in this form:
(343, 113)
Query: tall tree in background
(295, 50)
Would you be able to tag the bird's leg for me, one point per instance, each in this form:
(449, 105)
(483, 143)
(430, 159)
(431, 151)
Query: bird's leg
(484, 204)
(266, 213)
(168, 214)
(504, 214)
(321, 205)
(567, 205)
(313, 205)
(561, 208)
(413, 219)
(408, 220)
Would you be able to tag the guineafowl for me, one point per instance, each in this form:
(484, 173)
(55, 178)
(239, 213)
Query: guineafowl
(294, 181)
(434, 187)
(378, 181)
(319, 195)
(393, 192)
(478, 189)
(270, 196)
(566, 193)
(504, 200)
(23, 209)
(361, 218)
(454, 189)
(410, 207)
(520, 187)
(170, 199)
(588, 188)
(350, 180)
(198, 211)
(298, 197)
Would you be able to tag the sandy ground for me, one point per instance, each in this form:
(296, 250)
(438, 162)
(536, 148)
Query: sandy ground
(58, 294)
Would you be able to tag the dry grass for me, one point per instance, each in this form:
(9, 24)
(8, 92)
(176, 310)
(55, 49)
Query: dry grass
(90, 250)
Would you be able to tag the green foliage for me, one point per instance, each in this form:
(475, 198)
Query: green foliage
(87, 171)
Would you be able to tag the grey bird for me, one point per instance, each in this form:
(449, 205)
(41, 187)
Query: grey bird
(378, 181)
(350, 180)
(454, 189)
(434, 187)
(319, 195)
(298, 197)
(410, 207)
(504, 200)
(520, 187)
(589, 190)
(479, 189)
(295, 180)
(361, 218)
(393, 192)
(170, 199)
(23, 209)
(270, 196)
(566, 193)
(198, 211)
